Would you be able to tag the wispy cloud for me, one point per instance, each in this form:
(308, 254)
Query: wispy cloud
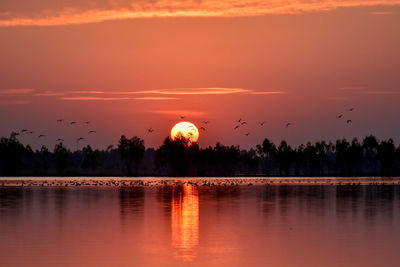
(338, 98)
(93, 98)
(381, 13)
(15, 102)
(100, 98)
(190, 113)
(184, 8)
(353, 88)
(11, 92)
(156, 98)
(182, 91)
(382, 92)
(267, 93)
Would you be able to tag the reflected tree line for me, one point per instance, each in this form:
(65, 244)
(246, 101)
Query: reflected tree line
(179, 157)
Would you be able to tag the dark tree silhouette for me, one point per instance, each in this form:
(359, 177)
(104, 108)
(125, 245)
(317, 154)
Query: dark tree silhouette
(131, 151)
(179, 157)
(61, 153)
(12, 153)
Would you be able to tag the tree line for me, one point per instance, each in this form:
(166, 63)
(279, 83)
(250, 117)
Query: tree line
(179, 157)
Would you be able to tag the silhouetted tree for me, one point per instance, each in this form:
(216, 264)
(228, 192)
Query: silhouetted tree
(386, 155)
(61, 154)
(131, 151)
(12, 153)
(370, 145)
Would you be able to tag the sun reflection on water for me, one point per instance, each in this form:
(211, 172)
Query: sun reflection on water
(185, 221)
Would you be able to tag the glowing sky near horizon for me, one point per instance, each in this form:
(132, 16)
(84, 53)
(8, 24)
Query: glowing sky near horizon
(128, 65)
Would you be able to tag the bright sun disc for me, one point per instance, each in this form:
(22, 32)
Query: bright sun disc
(187, 130)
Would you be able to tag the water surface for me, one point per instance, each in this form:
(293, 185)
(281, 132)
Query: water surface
(206, 222)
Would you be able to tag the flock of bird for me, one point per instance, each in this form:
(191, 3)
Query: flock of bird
(240, 123)
(58, 140)
(198, 182)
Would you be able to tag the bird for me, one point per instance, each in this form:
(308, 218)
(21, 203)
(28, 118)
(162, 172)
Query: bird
(182, 117)
(90, 132)
(73, 122)
(339, 116)
(150, 130)
(348, 121)
(205, 122)
(24, 130)
(236, 127)
(288, 124)
(247, 134)
(239, 120)
(31, 132)
(87, 122)
(13, 135)
(60, 140)
(202, 128)
(80, 138)
(60, 120)
(243, 123)
(262, 123)
(41, 135)
(351, 109)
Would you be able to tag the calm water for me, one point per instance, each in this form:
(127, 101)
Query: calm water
(181, 224)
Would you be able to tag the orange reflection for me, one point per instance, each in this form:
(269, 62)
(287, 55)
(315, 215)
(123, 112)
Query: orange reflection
(185, 221)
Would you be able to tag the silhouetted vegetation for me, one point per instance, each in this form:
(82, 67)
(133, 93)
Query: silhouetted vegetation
(178, 157)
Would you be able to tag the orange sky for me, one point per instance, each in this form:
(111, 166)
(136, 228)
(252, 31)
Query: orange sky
(128, 67)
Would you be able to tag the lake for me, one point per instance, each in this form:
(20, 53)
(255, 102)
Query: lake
(199, 222)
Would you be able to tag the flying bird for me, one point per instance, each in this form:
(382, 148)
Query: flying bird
(236, 127)
(41, 135)
(90, 132)
(150, 130)
(205, 122)
(73, 122)
(351, 109)
(60, 140)
(182, 117)
(288, 124)
(24, 130)
(348, 121)
(202, 128)
(239, 120)
(339, 116)
(87, 122)
(31, 132)
(262, 123)
(60, 120)
(247, 134)
(243, 123)
(13, 135)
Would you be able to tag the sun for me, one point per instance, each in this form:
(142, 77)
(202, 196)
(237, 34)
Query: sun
(187, 130)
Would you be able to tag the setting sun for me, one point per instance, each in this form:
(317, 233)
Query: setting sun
(187, 130)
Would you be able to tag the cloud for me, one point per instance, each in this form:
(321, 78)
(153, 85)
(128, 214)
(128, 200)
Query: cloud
(353, 88)
(93, 98)
(267, 93)
(183, 91)
(15, 102)
(338, 98)
(156, 98)
(381, 13)
(382, 92)
(11, 92)
(70, 15)
(100, 98)
(190, 113)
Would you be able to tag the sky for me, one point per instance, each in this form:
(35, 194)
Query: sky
(127, 66)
